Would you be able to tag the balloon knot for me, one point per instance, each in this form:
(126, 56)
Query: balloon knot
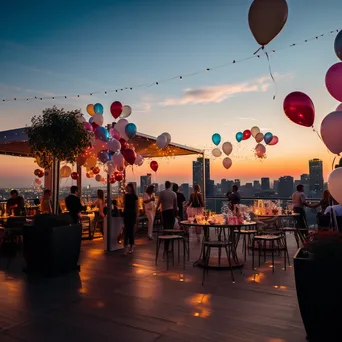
(262, 47)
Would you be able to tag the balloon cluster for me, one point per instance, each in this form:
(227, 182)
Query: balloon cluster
(39, 173)
(227, 149)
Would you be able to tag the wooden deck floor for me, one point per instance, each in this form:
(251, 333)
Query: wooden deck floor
(117, 298)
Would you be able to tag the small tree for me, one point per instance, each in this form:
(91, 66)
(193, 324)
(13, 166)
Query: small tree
(57, 134)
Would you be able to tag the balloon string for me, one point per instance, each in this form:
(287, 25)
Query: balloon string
(260, 48)
(332, 166)
(319, 136)
(270, 71)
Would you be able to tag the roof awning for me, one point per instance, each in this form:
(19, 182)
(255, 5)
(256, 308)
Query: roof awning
(15, 142)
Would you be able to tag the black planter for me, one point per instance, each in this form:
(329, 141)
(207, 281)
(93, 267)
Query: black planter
(52, 246)
(319, 292)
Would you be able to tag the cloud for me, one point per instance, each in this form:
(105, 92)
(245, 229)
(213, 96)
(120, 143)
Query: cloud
(144, 107)
(249, 119)
(220, 93)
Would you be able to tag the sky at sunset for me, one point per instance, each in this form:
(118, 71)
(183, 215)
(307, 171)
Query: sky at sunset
(73, 47)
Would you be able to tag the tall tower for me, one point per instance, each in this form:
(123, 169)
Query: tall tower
(316, 177)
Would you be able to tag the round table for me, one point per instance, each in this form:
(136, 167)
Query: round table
(232, 236)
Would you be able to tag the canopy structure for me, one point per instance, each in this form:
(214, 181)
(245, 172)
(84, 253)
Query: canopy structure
(15, 142)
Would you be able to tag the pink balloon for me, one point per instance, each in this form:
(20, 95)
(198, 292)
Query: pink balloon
(339, 107)
(114, 133)
(274, 141)
(87, 126)
(333, 81)
(331, 132)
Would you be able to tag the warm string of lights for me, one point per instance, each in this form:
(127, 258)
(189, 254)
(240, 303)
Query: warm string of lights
(178, 77)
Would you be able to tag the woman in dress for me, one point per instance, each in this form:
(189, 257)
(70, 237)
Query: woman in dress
(150, 211)
(196, 207)
(45, 203)
(130, 217)
(100, 204)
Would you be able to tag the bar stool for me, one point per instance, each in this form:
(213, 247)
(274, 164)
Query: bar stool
(170, 239)
(248, 236)
(182, 233)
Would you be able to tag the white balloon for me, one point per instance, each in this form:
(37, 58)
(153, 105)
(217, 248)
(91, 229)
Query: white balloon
(120, 127)
(255, 130)
(335, 184)
(227, 148)
(114, 145)
(98, 119)
(260, 150)
(227, 163)
(259, 137)
(139, 160)
(162, 141)
(65, 171)
(118, 160)
(168, 137)
(126, 111)
(216, 152)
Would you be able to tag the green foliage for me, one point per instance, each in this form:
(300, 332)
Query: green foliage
(57, 134)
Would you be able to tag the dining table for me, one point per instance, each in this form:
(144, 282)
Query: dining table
(228, 232)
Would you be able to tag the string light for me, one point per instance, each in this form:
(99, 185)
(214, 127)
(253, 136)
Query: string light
(148, 85)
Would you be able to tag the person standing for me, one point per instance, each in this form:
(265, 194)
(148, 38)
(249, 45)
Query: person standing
(168, 202)
(130, 217)
(234, 198)
(299, 203)
(180, 201)
(45, 203)
(149, 201)
(16, 204)
(196, 203)
(74, 205)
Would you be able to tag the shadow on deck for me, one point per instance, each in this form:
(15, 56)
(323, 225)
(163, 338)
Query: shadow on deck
(117, 298)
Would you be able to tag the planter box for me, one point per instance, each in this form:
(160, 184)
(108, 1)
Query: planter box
(51, 247)
(319, 292)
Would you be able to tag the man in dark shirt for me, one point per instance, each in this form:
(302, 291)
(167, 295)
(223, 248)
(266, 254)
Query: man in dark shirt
(73, 204)
(234, 197)
(15, 203)
(180, 201)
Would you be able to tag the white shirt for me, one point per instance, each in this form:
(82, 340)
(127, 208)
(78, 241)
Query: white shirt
(298, 199)
(337, 209)
(167, 199)
(149, 205)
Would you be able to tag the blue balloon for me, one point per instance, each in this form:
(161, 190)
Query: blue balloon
(104, 156)
(131, 130)
(239, 136)
(98, 108)
(102, 133)
(216, 138)
(268, 137)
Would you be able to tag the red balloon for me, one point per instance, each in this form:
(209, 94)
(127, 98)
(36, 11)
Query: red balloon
(116, 109)
(299, 108)
(74, 175)
(124, 144)
(274, 141)
(112, 180)
(333, 81)
(36, 172)
(118, 176)
(40, 174)
(154, 165)
(90, 174)
(246, 134)
(129, 156)
(96, 170)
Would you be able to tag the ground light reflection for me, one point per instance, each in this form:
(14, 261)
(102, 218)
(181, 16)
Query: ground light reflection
(200, 305)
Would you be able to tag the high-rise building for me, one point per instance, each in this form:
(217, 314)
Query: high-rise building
(197, 173)
(226, 185)
(256, 185)
(285, 186)
(265, 183)
(145, 181)
(185, 189)
(316, 177)
(237, 182)
(276, 186)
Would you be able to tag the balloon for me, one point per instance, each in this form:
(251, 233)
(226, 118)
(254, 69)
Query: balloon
(87, 126)
(114, 133)
(227, 148)
(338, 45)
(246, 134)
(116, 109)
(36, 172)
(126, 111)
(255, 130)
(90, 109)
(129, 156)
(154, 165)
(299, 108)
(98, 108)
(118, 176)
(118, 160)
(216, 152)
(131, 130)
(98, 119)
(102, 133)
(227, 163)
(98, 178)
(239, 136)
(333, 81)
(91, 161)
(114, 145)
(65, 171)
(40, 174)
(162, 141)
(80, 118)
(339, 108)
(38, 181)
(331, 132)
(123, 143)
(104, 156)
(274, 141)
(112, 180)
(266, 19)
(81, 159)
(121, 128)
(96, 170)
(260, 150)
(89, 174)
(216, 138)
(268, 137)
(168, 137)
(335, 184)
(259, 137)
(74, 175)
(139, 160)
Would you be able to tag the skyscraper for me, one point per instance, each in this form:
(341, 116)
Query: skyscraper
(256, 185)
(316, 177)
(276, 186)
(285, 186)
(265, 183)
(145, 181)
(197, 173)
(185, 189)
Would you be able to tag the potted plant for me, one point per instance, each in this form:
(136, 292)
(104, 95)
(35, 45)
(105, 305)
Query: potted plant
(318, 276)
